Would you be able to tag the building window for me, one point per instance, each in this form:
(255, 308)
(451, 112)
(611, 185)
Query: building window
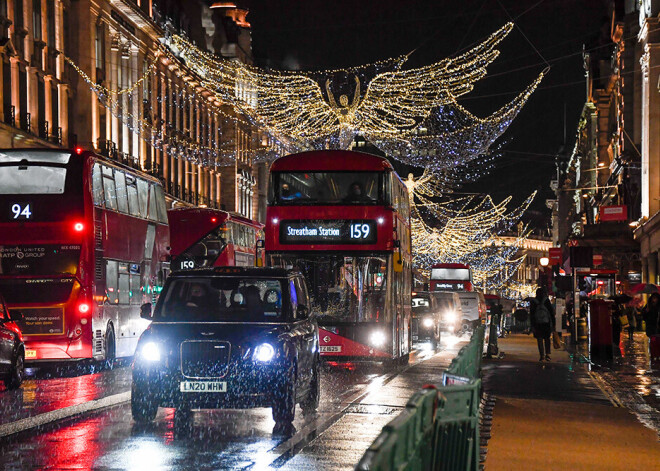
(36, 19)
(50, 11)
(100, 46)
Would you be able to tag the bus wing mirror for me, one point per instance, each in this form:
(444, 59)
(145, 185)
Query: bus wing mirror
(398, 263)
(145, 311)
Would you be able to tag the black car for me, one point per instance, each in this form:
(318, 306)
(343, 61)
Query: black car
(228, 337)
(425, 318)
(12, 350)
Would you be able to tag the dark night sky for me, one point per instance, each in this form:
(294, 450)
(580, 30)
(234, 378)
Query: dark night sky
(314, 34)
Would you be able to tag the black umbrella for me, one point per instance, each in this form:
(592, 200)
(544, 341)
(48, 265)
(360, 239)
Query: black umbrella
(620, 298)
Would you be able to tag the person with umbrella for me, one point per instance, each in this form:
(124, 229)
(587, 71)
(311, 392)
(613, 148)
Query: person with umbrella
(650, 314)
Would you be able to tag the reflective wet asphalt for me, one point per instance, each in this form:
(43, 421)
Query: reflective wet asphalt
(355, 404)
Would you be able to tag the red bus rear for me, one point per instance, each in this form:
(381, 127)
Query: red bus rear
(83, 243)
(451, 277)
(343, 219)
(203, 237)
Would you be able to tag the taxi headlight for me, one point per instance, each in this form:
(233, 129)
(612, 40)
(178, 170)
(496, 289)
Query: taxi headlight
(450, 317)
(264, 353)
(428, 322)
(377, 338)
(150, 351)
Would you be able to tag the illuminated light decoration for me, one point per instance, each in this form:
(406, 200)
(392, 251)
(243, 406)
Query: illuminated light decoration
(464, 230)
(389, 113)
(291, 109)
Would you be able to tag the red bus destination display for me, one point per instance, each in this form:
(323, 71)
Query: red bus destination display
(328, 232)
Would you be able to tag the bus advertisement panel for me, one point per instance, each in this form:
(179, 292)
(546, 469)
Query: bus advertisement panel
(343, 219)
(203, 237)
(83, 243)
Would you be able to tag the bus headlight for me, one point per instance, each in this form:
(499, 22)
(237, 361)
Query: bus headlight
(150, 352)
(264, 353)
(377, 338)
(450, 317)
(427, 322)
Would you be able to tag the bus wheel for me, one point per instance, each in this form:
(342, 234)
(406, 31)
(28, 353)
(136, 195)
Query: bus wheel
(110, 349)
(15, 376)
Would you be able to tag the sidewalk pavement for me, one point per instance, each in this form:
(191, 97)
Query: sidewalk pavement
(559, 415)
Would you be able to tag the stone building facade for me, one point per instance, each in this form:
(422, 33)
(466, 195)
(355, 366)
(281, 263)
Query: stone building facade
(648, 232)
(153, 112)
(600, 191)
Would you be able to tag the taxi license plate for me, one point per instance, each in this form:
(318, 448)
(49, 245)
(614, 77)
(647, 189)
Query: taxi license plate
(30, 354)
(330, 348)
(203, 386)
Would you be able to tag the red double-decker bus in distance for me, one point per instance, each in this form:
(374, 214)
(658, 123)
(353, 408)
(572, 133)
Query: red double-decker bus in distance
(84, 241)
(451, 277)
(343, 219)
(204, 237)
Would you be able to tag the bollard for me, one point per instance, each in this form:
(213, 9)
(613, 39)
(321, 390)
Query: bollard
(583, 335)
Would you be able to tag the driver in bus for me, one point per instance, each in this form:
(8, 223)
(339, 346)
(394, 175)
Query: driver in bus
(355, 193)
(285, 193)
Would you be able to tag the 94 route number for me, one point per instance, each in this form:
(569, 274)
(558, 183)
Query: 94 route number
(20, 211)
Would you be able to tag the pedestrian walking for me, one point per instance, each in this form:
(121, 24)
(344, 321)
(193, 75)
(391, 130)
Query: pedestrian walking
(618, 318)
(543, 322)
(631, 313)
(650, 314)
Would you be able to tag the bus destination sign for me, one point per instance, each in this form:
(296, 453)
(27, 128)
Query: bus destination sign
(325, 231)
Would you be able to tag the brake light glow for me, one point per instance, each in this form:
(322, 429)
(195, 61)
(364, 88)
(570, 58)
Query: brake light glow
(214, 219)
(83, 308)
(78, 227)
(78, 150)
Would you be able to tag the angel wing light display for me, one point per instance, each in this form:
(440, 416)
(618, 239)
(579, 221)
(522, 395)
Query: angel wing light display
(390, 112)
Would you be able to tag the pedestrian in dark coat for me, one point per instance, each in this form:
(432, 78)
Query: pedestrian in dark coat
(543, 322)
(650, 314)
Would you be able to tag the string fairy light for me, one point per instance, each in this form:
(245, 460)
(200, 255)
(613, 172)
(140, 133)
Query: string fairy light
(393, 105)
(464, 230)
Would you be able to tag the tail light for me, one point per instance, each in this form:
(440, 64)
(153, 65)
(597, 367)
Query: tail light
(78, 226)
(78, 150)
(83, 308)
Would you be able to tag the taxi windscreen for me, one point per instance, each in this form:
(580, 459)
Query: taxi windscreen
(221, 300)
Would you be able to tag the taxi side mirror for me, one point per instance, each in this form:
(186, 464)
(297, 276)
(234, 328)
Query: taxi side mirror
(145, 311)
(302, 312)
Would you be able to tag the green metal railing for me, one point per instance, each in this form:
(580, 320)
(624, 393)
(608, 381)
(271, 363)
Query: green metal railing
(439, 428)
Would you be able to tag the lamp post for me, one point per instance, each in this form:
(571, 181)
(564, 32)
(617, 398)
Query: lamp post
(543, 280)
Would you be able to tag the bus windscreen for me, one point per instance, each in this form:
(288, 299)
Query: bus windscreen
(322, 188)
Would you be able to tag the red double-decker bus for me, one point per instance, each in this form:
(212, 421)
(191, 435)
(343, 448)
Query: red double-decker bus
(203, 237)
(451, 277)
(343, 219)
(84, 242)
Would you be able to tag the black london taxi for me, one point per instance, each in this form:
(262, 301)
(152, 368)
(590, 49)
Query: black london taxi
(425, 318)
(228, 337)
(12, 349)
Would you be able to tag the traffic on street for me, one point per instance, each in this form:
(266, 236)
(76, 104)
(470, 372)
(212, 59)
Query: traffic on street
(322, 235)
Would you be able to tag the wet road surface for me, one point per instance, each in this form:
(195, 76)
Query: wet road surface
(633, 380)
(355, 404)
